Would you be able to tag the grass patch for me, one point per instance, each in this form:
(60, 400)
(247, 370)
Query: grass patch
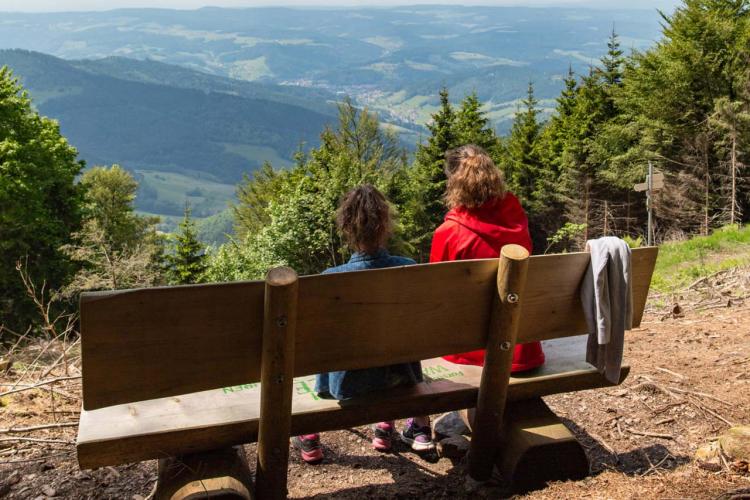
(169, 191)
(258, 154)
(680, 263)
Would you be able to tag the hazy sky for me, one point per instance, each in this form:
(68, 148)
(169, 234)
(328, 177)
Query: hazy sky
(68, 5)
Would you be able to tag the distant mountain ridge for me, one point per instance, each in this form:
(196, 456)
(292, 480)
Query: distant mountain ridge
(181, 123)
(158, 73)
(392, 59)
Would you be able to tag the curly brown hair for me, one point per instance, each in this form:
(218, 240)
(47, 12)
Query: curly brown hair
(473, 178)
(364, 218)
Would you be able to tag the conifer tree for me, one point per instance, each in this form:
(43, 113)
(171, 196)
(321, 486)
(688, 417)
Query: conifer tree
(428, 176)
(188, 263)
(557, 132)
(523, 163)
(473, 127)
(613, 61)
(732, 122)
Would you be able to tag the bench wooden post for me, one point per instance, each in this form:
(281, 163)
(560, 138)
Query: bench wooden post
(277, 373)
(501, 340)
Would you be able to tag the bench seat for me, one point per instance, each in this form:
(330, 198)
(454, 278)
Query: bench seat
(206, 420)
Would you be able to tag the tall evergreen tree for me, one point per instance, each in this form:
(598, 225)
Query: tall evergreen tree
(613, 61)
(523, 163)
(557, 132)
(473, 127)
(732, 123)
(428, 176)
(188, 262)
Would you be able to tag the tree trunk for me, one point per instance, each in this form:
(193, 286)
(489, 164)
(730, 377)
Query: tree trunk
(605, 217)
(733, 211)
(586, 211)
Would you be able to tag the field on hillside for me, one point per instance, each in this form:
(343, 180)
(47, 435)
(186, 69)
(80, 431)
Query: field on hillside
(689, 381)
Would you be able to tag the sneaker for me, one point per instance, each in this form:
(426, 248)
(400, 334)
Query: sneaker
(309, 448)
(419, 438)
(383, 436)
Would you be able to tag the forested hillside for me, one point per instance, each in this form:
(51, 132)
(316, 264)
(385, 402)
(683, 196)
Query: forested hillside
(392, 59)
(186, 135)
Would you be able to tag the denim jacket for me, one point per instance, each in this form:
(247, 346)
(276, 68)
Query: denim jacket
(352, 383)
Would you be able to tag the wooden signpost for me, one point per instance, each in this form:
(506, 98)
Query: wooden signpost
(654, 182)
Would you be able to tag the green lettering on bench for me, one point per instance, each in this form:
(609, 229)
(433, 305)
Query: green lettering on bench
(429, 380)
(434, 370)
(303, 388)
(238, 388)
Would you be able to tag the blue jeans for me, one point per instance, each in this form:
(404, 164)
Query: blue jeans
(350, 384)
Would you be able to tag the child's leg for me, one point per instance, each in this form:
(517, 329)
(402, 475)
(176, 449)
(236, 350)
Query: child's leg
(422, 421)
(383, 435)
(309, 447)
(418, 434)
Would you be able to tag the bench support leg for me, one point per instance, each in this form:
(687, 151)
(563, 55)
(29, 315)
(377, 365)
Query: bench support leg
(276, 376)
(537, 448)
(501, 340)
(220, 473)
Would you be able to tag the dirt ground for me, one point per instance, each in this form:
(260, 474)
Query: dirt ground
(690, 378)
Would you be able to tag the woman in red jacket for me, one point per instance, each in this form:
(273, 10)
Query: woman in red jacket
(483, 217)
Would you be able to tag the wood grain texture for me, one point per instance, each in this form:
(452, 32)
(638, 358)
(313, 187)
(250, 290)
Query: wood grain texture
(160, 342)
(205, 420)
(537, 448)
(277, 374)
(220, 473)
(500, 344)
(157, 342)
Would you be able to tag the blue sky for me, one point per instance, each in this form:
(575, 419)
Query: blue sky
(70, 5)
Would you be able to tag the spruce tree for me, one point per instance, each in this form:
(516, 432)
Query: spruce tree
(556, 133)
(613, 61)
(428, 176)
(473, 127)
(523, 163)
(188, 262)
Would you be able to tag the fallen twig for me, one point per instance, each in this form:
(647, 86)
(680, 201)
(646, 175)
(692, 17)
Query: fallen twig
(703, 394)
(711, 412)
(13, 430)
(651, 434)
(35, 440)
(38, 459)
(654, 467)
(683, 377)
(40, 384)
(606, 446)
(62, 357)
(664, 421)
(667, 406)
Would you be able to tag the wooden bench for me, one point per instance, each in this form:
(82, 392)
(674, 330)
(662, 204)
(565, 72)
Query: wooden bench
(178, 370)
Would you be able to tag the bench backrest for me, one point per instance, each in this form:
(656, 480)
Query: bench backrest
(151, 343)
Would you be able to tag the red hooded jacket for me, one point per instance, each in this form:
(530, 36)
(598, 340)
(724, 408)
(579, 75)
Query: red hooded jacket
(480, 233)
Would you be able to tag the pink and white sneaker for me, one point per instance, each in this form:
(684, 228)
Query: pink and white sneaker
(383, 439)
(309, 448)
